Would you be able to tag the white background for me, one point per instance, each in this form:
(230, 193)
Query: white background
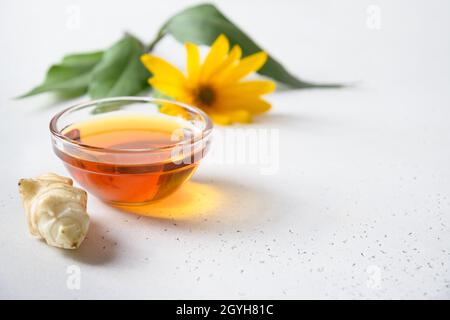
(359, 207)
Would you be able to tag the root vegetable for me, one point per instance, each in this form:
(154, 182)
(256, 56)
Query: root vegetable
(55, 209)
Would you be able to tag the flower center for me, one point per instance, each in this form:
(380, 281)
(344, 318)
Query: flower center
(205, 95)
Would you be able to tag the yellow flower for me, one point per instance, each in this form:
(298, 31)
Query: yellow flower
(216, 85)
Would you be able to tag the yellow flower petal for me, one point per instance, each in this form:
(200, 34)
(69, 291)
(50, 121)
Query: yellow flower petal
(170, 109)
(254, 87)
(230, 62)
(241, 116)
(246, 66)
(229, 117)
(254, 105)
(173, 110)
(215, 57)
(163, 69)
(193, 62)
(220, 118)
(168, 88)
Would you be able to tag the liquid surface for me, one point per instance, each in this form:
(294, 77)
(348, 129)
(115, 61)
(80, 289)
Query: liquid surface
(129, 177)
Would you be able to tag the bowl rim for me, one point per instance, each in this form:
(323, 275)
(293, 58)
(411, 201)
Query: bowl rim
(58, 135)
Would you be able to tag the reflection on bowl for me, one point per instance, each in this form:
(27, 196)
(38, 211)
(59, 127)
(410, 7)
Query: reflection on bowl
(126, 152)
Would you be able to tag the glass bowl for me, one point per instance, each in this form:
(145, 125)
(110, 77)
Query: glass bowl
(131, 150)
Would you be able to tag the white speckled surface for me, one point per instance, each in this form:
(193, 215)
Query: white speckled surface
(359, 207)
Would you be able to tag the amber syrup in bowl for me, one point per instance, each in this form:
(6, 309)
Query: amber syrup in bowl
(126, 152)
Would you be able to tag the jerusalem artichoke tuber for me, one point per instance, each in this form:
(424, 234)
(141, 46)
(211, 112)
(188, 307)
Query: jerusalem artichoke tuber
(55, 209)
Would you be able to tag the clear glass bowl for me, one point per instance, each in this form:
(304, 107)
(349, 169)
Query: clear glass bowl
(126, 151)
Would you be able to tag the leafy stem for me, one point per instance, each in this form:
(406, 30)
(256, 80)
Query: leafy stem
(155, 41)
(117, 71)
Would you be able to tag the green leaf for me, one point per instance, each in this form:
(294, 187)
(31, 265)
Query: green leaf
(203, 23)
(70, 77)
(110, 106)
(120, 72)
